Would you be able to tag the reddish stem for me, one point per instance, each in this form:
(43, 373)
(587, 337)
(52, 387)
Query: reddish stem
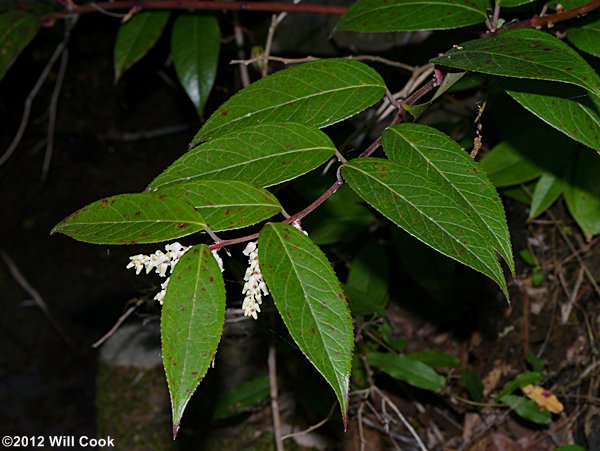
(550, 20)
(205, 5)
(339, 182)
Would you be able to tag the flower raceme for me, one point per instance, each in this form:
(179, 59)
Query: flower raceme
(255, 287)
(163, 263)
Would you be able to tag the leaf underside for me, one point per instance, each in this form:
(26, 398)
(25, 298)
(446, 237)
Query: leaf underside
(192, 319)
(310, 300)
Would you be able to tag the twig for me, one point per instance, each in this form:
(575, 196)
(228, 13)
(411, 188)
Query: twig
(146, 134)
(37, 298)
(60, 77)
(239, 42)
(194, 5)
(275, 22)
(552, 19)
(311, 428)
(29, 100)
(388, 401)
(118, 324)
(272, 363)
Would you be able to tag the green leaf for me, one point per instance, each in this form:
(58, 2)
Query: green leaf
(132, 219)
(17, 29)
(412, 15)
(570, 448)
(523, 53)
(538, 365)
(582, 193)
(527, 409)
(445, 163)
(547, 190)
(191, 324)
(263, 155)
(136, 37)
(243, 398)
(571, 110)
(408, 370)
(422, 203)
(311, 303)
(435, 359)
(195, 45)
(470, 380)
(529, 258)
(226, 205)
(518, 193)
(318, 93)
(367, 283)
(520, 381)
(586, 37)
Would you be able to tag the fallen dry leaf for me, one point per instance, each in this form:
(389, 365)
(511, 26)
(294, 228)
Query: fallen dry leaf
(543, 398)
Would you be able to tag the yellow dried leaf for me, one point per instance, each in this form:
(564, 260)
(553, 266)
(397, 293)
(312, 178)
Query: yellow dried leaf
(543, 398)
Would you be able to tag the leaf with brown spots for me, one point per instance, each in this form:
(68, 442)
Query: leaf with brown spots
(192, 321)
(311, 303)
(132, 219)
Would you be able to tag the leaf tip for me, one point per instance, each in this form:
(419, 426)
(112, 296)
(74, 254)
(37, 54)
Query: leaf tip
(175, 430)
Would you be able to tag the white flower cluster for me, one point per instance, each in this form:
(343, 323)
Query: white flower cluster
(163, 262)
(255, 287)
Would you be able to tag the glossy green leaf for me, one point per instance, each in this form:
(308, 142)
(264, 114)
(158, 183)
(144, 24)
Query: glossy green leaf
(227, 204)
(586, 37)
(524, 53)
(17, 29)
(547, 190)
(527, 409)
(132, 219)
(418, 200)
(447, 165)
(367, 283)
(195, 45)
(318, 93)
(571, 110)
(582, 193)
(243, 398)
(520, 381)
(311, 303)
(408, 370)
(191, 324)
(263, 155)
(435, 359)
(412, 15)
(136, 37)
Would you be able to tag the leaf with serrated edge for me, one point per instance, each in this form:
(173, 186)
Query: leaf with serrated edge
(430, 212)
(448, 166)
(547, 190)
(582, 193)
(17, 29)
(227, 204)
(311, 303)
(191, 324)
(132, 219)
(408, 370)
(570, 109)
(318, 93)
(523, 54)
(412, 15)
(136, 37)
(195, 46)
(263, 155)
